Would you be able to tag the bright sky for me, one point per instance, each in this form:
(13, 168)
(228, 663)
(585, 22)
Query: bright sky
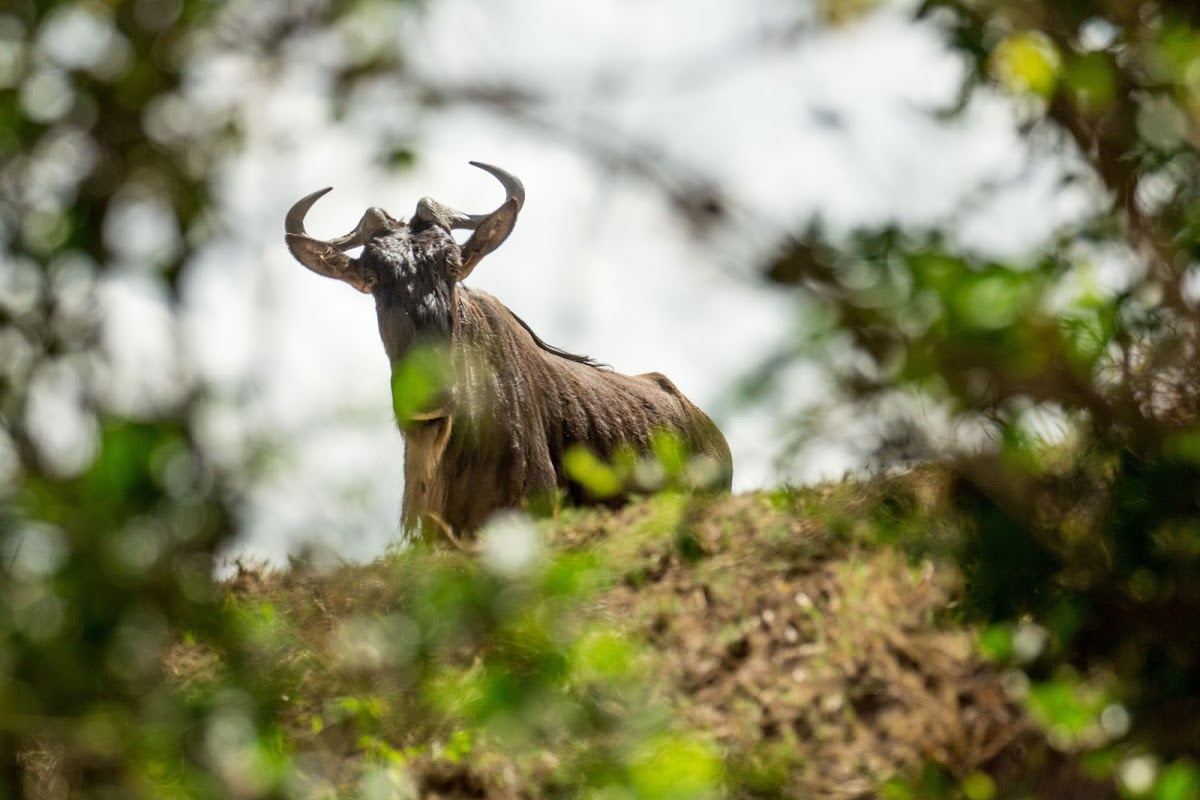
(834, 124)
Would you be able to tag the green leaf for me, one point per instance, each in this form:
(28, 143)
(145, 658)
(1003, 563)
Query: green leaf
(1179, 781)
(1027, 62)
(419, 384)
(598, 478)
(675, 768)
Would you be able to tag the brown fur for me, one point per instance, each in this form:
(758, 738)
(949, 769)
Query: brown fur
(517, 408)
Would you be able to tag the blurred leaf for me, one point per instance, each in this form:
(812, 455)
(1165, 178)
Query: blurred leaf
(1067, 705)
(672, 768)
(598, 478)
(419, 383)
(1092, 80)
(1179, 781)
(995, 641)
(978, 786)
(671, 453)
(1027, 62)
(604, 655)
(1184, 445)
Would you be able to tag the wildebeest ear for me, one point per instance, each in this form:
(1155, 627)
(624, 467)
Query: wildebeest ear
(490, 234)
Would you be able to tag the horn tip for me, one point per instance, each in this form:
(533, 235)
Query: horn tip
(294, 221)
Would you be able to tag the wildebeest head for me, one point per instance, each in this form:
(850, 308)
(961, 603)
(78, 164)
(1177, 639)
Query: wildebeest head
(411, 268)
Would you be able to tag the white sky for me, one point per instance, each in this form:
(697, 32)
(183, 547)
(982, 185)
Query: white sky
(597, 264)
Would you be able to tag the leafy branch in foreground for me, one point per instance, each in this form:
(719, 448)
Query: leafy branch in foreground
(1071, 403)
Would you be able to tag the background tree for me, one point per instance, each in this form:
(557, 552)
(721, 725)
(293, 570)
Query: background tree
(107, 540)
(1082, 500)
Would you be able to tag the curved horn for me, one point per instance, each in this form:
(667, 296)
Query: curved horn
(326, 257)
(492, 229)
(294, 222)
(514, 189)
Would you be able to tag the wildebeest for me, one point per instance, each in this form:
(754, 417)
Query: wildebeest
(512, 407)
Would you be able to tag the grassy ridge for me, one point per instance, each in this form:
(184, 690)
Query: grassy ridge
(783, 644)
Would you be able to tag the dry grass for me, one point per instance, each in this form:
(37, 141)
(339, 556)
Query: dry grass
(788, 643)
(819, 661)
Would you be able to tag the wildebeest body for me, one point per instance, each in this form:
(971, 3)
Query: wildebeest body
(520, 408)
(513, 406)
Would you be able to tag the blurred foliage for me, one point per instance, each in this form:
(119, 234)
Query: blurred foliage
(125, 669)
(420, 383)
(102, 571)
(1070, 404)
(668, 467)
(110, 511)
(683, 646)
(455, 661)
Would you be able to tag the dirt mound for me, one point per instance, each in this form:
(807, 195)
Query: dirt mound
(775, 630)
(795, 646)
